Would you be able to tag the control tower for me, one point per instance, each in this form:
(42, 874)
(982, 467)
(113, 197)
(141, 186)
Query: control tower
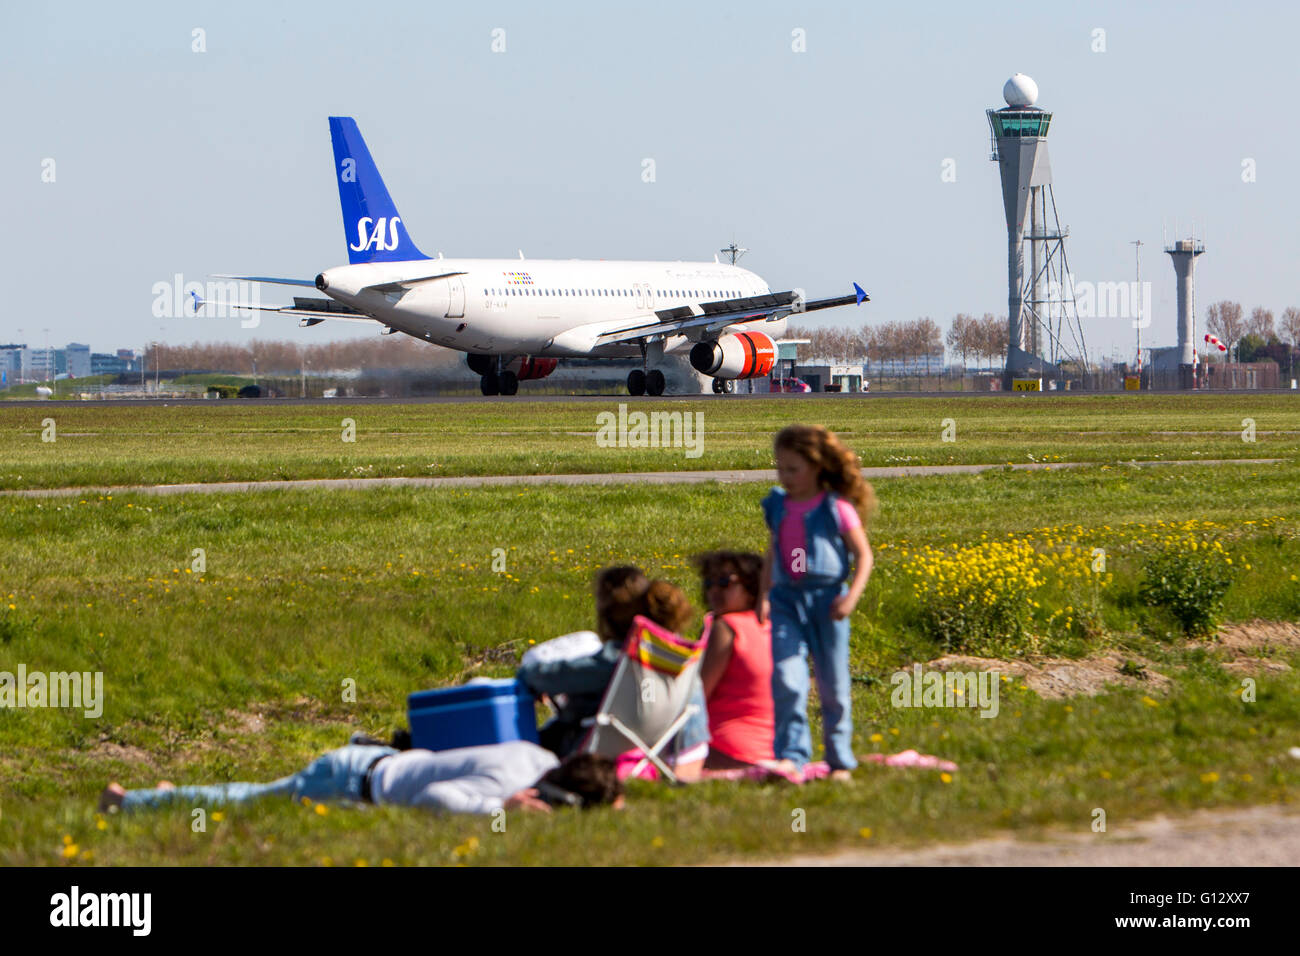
(1183, 252)
(1040, 299)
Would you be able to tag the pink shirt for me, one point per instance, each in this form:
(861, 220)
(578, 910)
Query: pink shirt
(742, 722)
(792, 535)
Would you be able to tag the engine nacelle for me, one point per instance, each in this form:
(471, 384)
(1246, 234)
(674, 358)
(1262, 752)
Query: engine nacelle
(528, 367)
(740, 355)
(525, 367)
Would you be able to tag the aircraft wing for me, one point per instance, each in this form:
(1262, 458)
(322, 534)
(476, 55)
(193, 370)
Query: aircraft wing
(716, 316)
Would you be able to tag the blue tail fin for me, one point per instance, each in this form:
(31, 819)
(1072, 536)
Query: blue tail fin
(371, 226)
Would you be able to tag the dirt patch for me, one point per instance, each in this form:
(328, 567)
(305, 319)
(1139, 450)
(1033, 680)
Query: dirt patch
(1248, 646)
(1059, 678)
(244, 723)
(1256, 836)
(1255, 665)
(111, 750)
(1240, 639)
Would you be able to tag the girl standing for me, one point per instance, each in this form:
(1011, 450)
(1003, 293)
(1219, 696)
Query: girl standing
(815, 522)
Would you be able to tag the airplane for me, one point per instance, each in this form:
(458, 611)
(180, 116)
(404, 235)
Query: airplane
(516, 318)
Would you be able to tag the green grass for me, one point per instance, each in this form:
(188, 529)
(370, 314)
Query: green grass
(227, 441)
(394, 589)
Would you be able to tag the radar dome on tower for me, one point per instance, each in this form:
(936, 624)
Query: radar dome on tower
(1020, 90)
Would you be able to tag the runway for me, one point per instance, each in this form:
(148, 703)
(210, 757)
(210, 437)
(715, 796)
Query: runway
(523, 397)
(616, 478)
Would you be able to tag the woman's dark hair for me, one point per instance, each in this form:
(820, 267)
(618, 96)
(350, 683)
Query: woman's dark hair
(620, 592)
(744, 564)
(590, 777)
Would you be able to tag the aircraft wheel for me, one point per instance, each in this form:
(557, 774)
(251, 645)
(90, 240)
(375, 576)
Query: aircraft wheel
(490, 384)
(655, 382)
(717, 386)
(636, 382)
(508, 382)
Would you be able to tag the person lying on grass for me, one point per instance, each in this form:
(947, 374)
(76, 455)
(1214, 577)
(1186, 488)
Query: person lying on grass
(516, 775)
(737, 666)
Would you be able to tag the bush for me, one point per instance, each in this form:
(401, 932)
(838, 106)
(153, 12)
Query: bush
(1188, 581)
(223, 391)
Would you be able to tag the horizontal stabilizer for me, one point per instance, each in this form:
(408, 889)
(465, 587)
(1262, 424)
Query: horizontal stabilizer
(307, 282)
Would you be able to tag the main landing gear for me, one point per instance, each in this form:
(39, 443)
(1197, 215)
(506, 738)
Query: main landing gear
(494, 379)
(499, 383)
(724, 386)
(646, 383)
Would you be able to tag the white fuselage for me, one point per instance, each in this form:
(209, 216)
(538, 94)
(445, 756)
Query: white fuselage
(542, 307)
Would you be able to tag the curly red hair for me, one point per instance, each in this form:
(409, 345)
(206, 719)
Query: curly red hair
(838, 468)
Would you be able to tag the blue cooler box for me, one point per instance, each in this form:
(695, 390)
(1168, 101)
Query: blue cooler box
(488, 712)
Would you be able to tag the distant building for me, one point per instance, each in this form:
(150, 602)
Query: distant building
(39, 365)
(932, 364)
(102, 363)
(835, 378)
(11, 362)
(77, 357)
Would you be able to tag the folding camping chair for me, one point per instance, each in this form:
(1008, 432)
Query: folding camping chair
(648, 698)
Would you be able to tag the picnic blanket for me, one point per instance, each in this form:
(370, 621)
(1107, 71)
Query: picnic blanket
(816, 770)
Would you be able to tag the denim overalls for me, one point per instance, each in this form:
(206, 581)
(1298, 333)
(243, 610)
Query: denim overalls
(801, 624)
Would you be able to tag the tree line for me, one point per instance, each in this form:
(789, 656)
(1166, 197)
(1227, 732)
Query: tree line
(973, 339)
(1256, 337)
(290, 358)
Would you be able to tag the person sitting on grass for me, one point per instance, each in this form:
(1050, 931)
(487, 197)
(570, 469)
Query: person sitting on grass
(737, 666)
(574, 687)
(515, 775)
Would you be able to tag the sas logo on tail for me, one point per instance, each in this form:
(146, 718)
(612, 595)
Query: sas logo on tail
(373, 238)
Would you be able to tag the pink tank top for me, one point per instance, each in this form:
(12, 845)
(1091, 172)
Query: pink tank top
(792, 538)
(741, 718)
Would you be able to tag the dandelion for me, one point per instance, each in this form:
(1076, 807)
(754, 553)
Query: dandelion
(865, 833)
(946, 777)
(70, 850)
(877, 738)
(657, 842)
(1149, 702)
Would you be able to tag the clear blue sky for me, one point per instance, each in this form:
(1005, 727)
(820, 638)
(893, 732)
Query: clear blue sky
(825, 163)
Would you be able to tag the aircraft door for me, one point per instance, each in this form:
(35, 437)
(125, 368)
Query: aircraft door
(455, 298)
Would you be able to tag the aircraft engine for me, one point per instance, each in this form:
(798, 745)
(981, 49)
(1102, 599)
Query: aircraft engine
(740, 355)
(528, 367)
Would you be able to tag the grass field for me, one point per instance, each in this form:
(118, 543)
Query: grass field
(237, 671)
(98, 445)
